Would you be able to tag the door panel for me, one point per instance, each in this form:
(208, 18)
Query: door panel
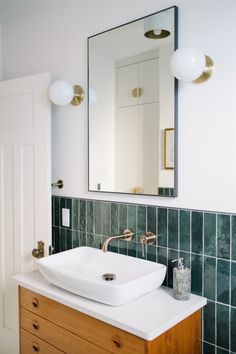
(25, 189)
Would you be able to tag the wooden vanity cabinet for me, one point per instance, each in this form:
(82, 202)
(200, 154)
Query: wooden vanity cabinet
(48, 327)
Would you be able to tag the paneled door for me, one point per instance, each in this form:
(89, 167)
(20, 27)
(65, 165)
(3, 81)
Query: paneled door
(25, 192)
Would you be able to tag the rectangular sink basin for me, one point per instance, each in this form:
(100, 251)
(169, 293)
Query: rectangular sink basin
(81, 271)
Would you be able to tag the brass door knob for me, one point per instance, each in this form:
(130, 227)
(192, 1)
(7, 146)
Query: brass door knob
(38, 252)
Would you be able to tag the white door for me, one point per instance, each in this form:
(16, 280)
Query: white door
(25, 193)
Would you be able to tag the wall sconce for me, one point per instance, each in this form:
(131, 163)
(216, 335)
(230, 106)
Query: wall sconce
(62, 93)
(158, 26)
(191, 65)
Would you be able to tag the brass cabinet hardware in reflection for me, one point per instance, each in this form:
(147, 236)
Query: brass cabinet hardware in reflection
(137, 92)
(38, 252)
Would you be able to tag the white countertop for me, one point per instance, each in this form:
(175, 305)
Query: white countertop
(147, 317)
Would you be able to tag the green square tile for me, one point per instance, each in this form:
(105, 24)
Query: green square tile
(94, 240)
(141, 220)
(114, 219)
(223, 273)
(63, 239)
(113, 247)
(122, 217)
(233, 284)
(106, 218)
(123, 247)
(222, 351)
(82, 214)
(75, 239)
(98, 217)
(151, 220)
(222, 326)
(208, 348)
(69, 240)
(151, 253)
(184, 232)
(171, 192)
(233, 326)
(75, 214)
(197, 232)
(132, 249)
(89, 238)
(90, 216)
(57, 220)
(82, 239)
(57, 239)
(53, 209)
(196, 274)
(234, 237)
(210, 278)
(173, 220)
(209, 320)
(166, 192)
(132, 220)
(210, 234)
(223, 236)
(162, 227)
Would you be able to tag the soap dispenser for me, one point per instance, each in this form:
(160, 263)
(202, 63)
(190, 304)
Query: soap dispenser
(181, 281)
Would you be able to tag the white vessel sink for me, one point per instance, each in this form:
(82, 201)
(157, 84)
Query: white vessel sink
(81, 270)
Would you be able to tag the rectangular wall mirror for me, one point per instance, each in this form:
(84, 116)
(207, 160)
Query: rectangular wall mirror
(132, 107)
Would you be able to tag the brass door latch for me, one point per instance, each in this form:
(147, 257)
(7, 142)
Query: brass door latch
(38, 252)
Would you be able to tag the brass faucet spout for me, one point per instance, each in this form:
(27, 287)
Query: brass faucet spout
(127, 235)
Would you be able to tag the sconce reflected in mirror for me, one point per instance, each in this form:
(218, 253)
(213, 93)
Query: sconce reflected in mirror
(158, 26)
(62, 93)
(190, 64)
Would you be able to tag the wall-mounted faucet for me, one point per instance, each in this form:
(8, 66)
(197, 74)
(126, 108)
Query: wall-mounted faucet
(127, 235)
(148, 238)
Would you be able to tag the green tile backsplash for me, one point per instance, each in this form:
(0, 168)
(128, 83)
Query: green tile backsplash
(206, 240)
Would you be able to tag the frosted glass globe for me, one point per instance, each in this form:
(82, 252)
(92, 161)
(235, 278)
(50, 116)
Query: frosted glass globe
(61, 92)
(188, 63)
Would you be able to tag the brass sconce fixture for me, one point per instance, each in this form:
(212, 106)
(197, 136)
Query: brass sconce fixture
(191, 65)
(62, 93)
(158, 26)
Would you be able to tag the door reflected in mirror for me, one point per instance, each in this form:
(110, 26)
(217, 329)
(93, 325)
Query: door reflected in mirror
(132, 106)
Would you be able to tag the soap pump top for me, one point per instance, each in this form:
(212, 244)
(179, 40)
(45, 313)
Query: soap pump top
(180, 264)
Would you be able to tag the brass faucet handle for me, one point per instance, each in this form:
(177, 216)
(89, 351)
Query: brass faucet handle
(148, 238)
(128, 234)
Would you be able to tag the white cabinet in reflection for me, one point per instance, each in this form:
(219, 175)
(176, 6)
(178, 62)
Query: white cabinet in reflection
(137, 83)
(137, 125)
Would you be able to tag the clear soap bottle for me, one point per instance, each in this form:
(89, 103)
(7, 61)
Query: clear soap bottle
(181, 280)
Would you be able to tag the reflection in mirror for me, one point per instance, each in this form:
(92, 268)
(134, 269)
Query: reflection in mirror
(132, 108)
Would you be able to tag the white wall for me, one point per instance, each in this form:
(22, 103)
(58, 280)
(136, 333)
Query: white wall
(0, 52)
(51, 36)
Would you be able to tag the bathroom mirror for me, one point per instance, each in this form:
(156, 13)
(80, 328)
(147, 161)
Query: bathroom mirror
(132, 107)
